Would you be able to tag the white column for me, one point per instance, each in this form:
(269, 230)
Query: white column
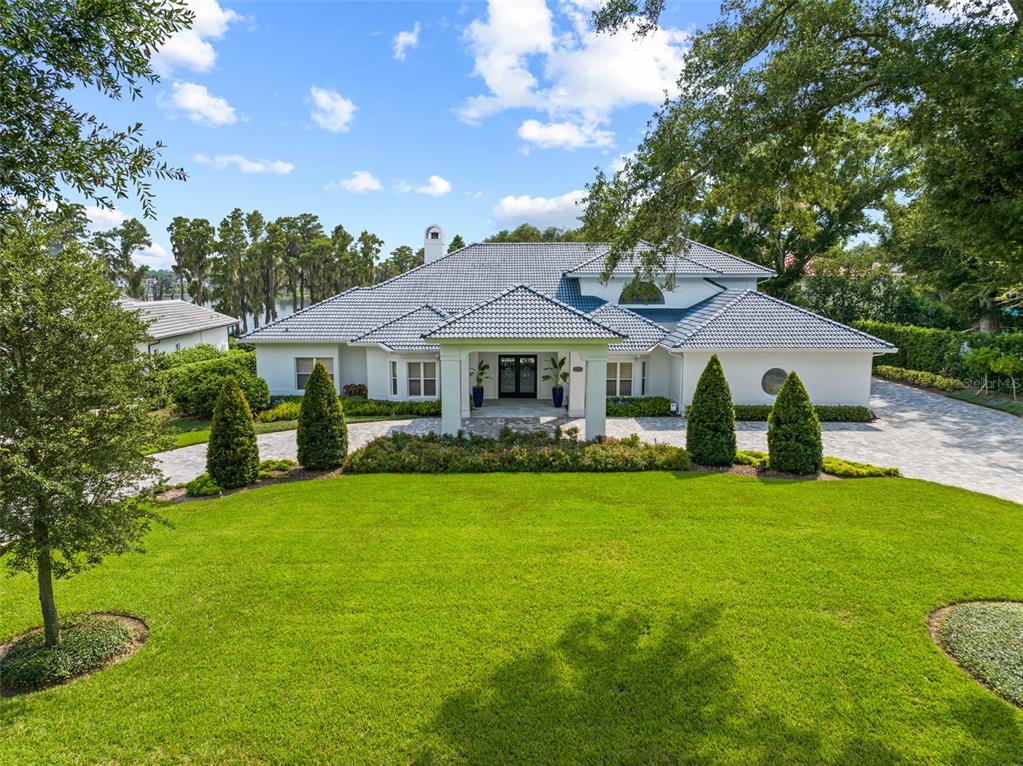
(465, 384)
(576, 385)
(596, 399)
(450, 390)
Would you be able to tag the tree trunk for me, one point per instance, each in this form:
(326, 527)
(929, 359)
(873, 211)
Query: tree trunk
(51, 623)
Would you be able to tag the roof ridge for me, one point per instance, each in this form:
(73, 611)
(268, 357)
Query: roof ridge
(823, 318)
(731, 255)
(389, 322)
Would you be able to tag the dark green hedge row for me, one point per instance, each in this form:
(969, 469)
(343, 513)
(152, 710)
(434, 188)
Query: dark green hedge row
(354, 405)
(826, 413)
(512, 452)
(937, 351)
(193, 388)
(917, 377)
(637, 406)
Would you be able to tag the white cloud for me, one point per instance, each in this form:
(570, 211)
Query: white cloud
(360, 181)
(435, 187)
(244, 164)
(190, 48)
(562, 211)
(405, 40)
(201, 106)
(101, 218)
(331, 110)
(155, 250)
(574, 75)
(563, 135)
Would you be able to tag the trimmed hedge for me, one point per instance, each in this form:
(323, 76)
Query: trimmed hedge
(194, 388)
(850, 469)
(918, 378)
(826, 413)
(322, 435)
(638, 407)
(710, 424)
(232, 457)
(86, 643)
(356, 406)
(512, 452)
(793, 431)
(201, 352)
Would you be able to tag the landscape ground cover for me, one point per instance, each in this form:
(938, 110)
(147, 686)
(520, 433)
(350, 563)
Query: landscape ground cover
(654, 617)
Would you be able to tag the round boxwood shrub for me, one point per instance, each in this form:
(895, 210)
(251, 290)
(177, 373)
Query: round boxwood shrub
(202, 486)
(322, 434)
(710, 423)
(793, 431)
(87, 642)
(232, 458)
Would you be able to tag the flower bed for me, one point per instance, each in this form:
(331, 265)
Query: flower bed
(512, 452)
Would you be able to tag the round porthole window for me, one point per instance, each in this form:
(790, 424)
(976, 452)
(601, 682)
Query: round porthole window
(772, 380)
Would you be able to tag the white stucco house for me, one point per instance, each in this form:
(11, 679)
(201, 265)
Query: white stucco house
(419, 335)
(176, 324)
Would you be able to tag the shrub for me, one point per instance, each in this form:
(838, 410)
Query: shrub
(355, 390)
(194, 388)
(354, 406)
(232, 457)
(203, 486)
(286, 410)
(918, 378)
(793, 431)
(826, 413)
(638, 406)
(322, 435)
(710, 427)
(87, 643)
(281, 464)
(513, 452)
(752, 457)
(201, 353)
(920, 348)
(849, 469)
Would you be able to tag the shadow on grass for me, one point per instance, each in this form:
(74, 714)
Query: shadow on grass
(618, 689)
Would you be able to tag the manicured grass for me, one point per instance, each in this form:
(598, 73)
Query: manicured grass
(987, 640)
(994, 401)
(641, 618)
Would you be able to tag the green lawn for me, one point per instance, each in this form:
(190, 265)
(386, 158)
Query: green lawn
(642, 618)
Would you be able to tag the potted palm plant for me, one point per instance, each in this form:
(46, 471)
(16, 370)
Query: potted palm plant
(479, 374)
(555, 372)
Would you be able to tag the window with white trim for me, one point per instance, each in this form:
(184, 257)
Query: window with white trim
(642, 378)
(619, 378)
(304, 368)
(394, 378)
(422, 378)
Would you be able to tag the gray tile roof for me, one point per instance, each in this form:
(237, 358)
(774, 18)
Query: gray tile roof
(750, 319)
(406, 332)
(525, 313)
(695, 260)
(640, 333)
(170, 318)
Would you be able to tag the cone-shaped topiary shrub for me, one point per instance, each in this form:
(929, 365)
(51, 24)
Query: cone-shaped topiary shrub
(710, 422)
(232, 458)
(793, 430)
(322, 433)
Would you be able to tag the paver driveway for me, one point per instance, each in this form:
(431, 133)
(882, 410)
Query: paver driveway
(927, 436)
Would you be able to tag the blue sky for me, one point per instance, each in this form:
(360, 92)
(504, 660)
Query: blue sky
(389, 116)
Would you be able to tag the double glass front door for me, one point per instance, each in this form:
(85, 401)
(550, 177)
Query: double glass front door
(516, 376)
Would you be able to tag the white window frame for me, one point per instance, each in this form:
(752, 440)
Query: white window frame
(323, 360)
(392, 370)
(617, 377)
(642, 377)
(422, 378)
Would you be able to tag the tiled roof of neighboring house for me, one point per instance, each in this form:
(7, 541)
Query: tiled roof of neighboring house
(406, 332)
(524, 313)
(641, 334)
(170, 318)
(695, 260)
(750, 319)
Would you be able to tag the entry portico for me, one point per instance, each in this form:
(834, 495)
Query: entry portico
(521, 322)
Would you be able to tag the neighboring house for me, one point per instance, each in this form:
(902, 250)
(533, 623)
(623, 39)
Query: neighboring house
(514, 306)
(174, 324)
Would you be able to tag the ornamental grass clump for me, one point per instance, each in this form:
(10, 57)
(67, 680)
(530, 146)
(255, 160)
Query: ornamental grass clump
(710, 424)
(232, 458)
(322, 434)
(793, 431)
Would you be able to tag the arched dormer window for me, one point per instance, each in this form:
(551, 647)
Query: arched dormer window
(641, 292)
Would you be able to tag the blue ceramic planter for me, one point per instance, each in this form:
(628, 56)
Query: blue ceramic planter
(558, 394)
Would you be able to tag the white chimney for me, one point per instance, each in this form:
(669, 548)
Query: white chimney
(434, 246)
